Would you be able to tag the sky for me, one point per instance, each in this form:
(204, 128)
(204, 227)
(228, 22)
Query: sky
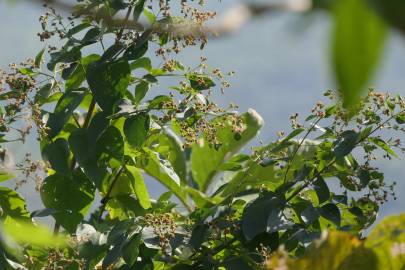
(281, 61)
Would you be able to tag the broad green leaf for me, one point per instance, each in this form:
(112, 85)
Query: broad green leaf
(331, 212)
(345, 143)
(170, 147)
(143, 62)
(200, 82)
(4, 176)
(322, 190)
(130, 251)
(43, 93)
(108, 82)
(277, 220)
(12, 205)
(57, 154)
(136, 51)
(92, 36)
(205, 159)
(114, 253)
(294, 134)
(124, 207)
(136, 129)
(109, 145)
(255, 215)
(79, 74)
(140, 91)
(78, 28)
(383, 145)
(82, 144)
(253, 176)
(149, 15)
(24, 232)
(358, 39)
(139, 187)
(64, 56)
(200, 199)
(161, 169)
(70, 196)
(138, 9)
(309, 214)
(63, 111)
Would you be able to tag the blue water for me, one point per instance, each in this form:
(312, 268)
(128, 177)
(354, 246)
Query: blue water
(282, 66)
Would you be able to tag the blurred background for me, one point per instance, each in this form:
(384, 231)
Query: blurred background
(282, 61)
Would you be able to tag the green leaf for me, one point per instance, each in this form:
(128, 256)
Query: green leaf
(309, 214)
(79, 74)
(38, 58)
(149, 15)
(70, 196)
(277, 220)
(206, 160)
(322, 190)
(130, 251)
(200, 82)
(114, 253)
(82, 144)
(139, 187)
(108, 81)
(64, 56)
(110, 144)
(294, 134)
(63, 111)
(170, 147)
(136, 51)
(92, 36)
(140, 91)
(143, 62)
(24, 232)
(345, 143)
(43, 93)
(57, 153)
(138, 9)
(136, 129)
(78, 28)
(255, 215)
(230, 166)
(358, 41)
(331, 212)
(161, 169)
(4, 176)
(400, 118)
(12, 205)
(383, 145)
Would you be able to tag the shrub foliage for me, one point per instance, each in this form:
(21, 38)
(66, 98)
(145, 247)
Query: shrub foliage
(103, 132)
